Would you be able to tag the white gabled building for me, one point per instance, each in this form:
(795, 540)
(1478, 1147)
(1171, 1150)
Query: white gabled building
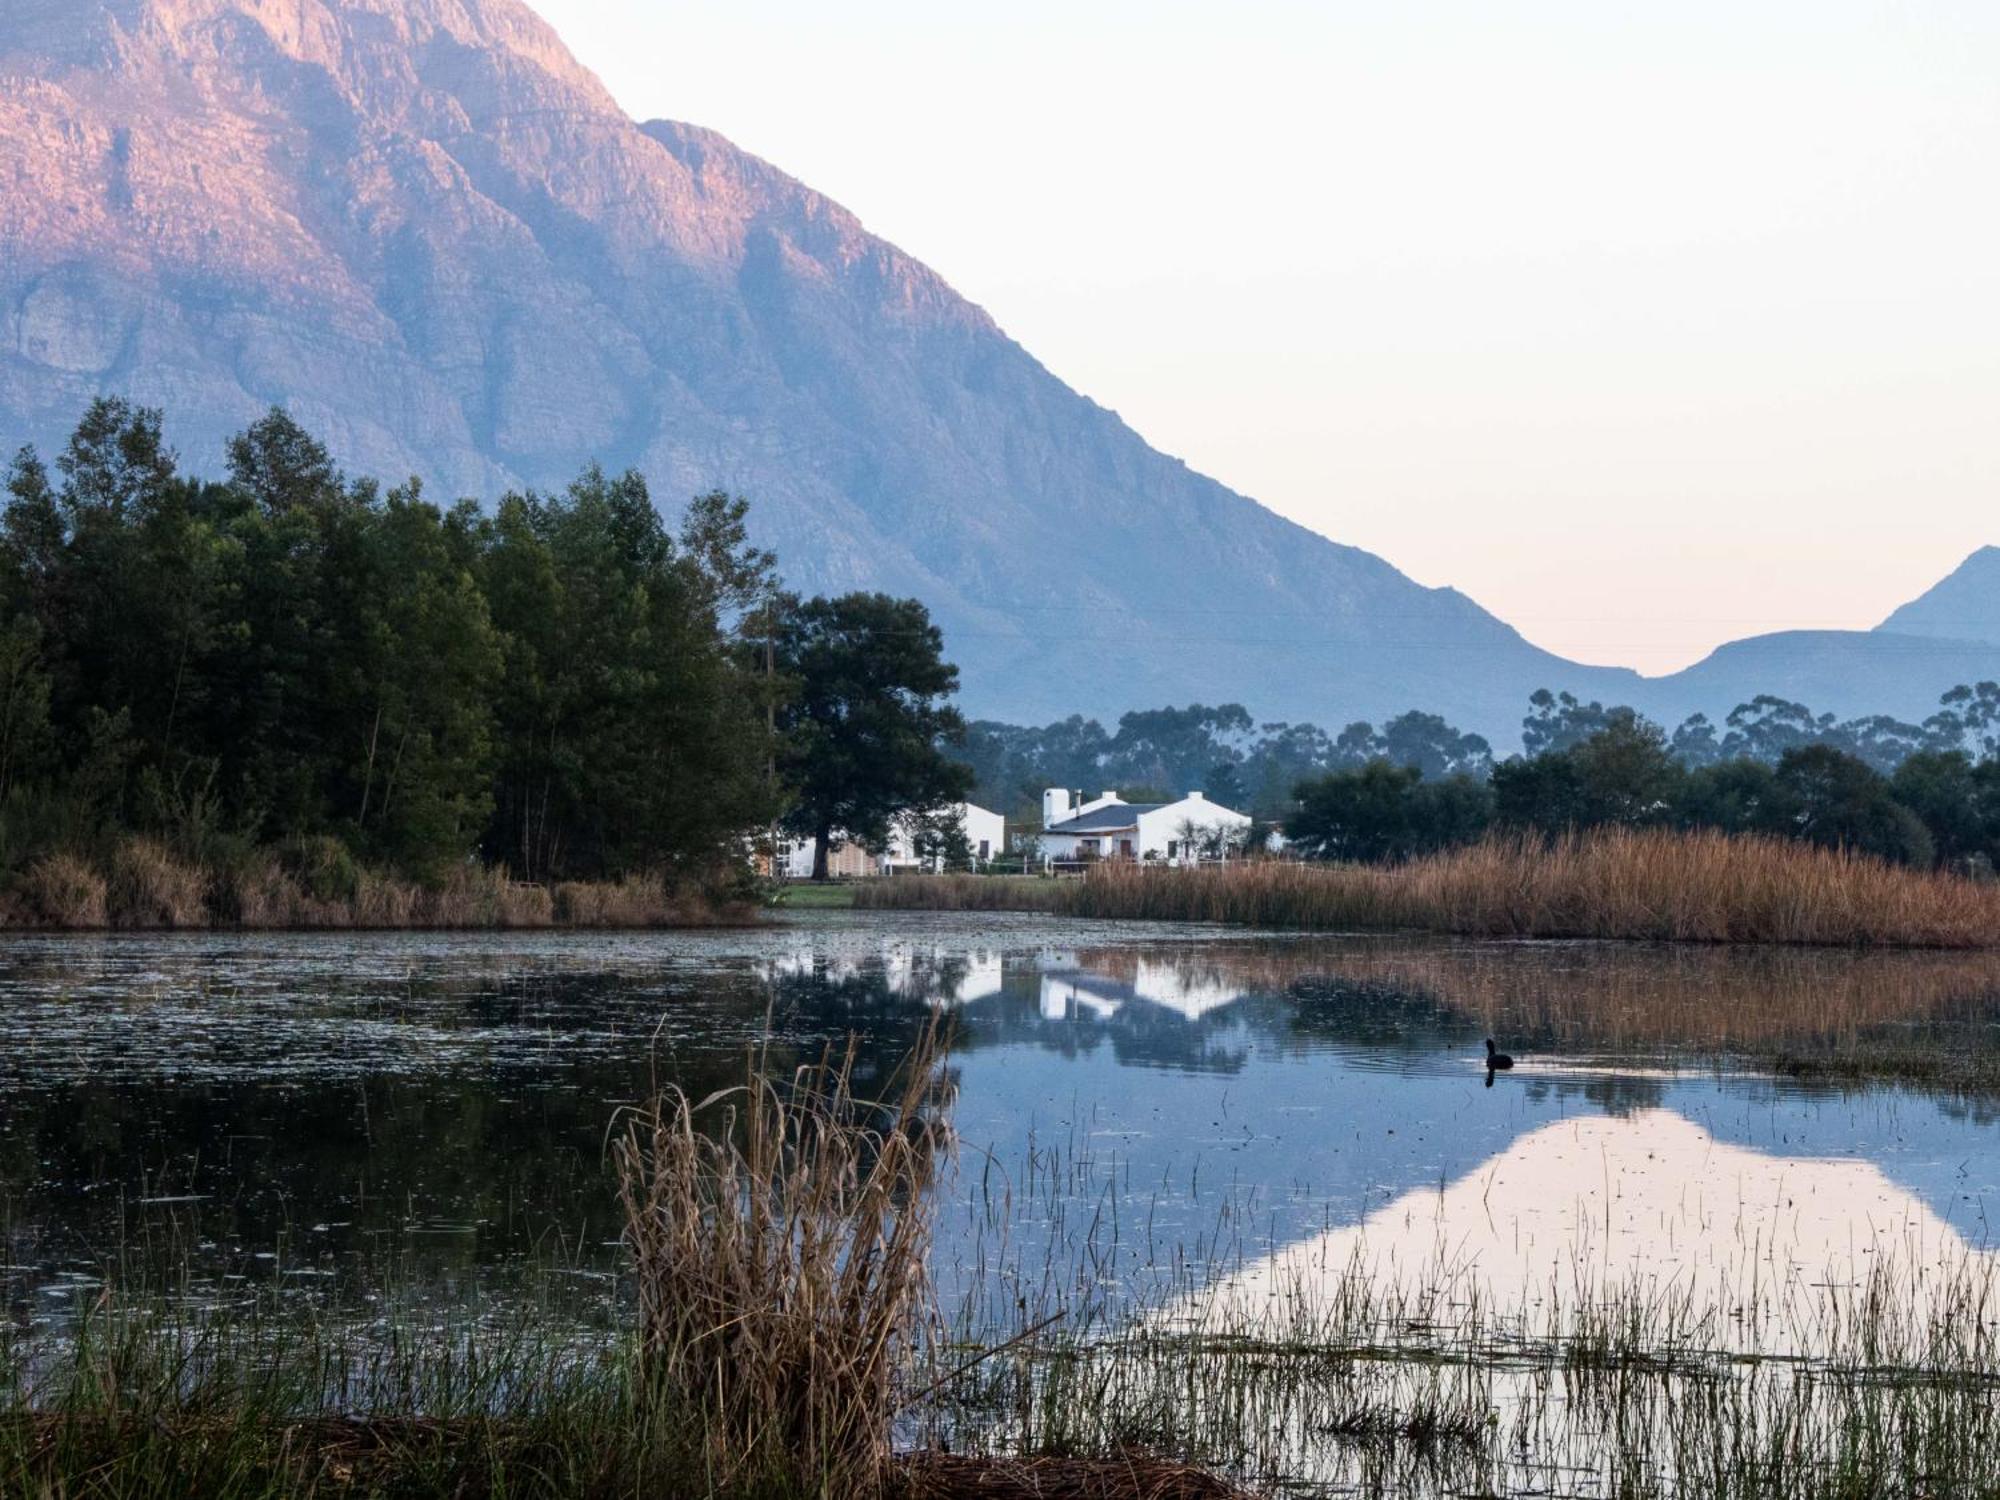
(985, 834)
(985, 838)
(1108, 827)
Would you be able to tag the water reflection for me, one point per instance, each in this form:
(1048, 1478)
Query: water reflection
(1648, 1210)
(344, 1110)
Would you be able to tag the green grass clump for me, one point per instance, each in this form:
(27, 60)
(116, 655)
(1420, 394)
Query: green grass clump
(830, 896)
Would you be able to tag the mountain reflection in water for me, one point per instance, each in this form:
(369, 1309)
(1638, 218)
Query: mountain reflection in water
(1646, 1210)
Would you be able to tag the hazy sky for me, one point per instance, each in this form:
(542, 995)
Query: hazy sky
(1647, 325)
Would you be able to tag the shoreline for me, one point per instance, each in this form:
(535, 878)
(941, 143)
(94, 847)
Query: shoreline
(141, 885)
(1621, 885)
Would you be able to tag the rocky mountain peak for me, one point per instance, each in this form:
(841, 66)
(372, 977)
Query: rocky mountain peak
(426, 229)
(362, 44)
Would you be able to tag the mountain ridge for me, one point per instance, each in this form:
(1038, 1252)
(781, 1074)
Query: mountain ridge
(432, 234)
(1963, 605)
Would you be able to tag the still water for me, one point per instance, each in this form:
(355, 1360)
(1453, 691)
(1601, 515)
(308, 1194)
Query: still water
(342, 1112)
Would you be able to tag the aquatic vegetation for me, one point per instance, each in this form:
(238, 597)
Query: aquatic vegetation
(780, 1254)
(161, 1400)
(1645, 884)
(1376, 1374)
(63, 891)
(150, 888)
(142, 885)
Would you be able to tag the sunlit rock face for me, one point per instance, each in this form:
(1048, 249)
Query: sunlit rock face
(1719, 1244)
(423, 226)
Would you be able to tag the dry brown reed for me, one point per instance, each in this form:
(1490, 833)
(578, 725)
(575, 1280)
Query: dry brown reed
(779, 1236)
(1647, 884)
(142, 885)
(633, 902)
(64, 891)
(150, 888)
(257, 894)
(519, 905)
(382, 901)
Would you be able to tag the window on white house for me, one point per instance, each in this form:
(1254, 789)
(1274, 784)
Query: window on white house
(1173, 848)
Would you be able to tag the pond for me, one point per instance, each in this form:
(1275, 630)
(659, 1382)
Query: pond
(1139, 1109)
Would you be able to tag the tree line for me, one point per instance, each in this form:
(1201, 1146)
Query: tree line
(1925, 794)
(288, 658)
(1159, 754)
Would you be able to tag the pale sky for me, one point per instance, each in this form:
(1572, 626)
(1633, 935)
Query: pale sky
(1646, 325)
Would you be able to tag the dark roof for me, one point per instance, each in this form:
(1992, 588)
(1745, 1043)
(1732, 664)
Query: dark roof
(1117, 815)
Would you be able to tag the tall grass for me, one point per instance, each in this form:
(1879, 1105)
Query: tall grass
(780, 1258)
(150, 888)
(141, 884)
(1646, 884)
(151, 1401)
(61, 890)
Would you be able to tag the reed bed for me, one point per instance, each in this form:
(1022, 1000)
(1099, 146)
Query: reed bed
(1358, 1394)
(63, 891)
(781, 1261)
(151, 1400)
(1644, 884)
(141, 885)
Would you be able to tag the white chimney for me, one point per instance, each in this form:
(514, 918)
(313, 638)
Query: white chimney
(1194, 796)
(1108, 796)
(1055, 806)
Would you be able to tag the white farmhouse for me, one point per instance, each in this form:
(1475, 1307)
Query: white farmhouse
(984, 832)
(1109, 827)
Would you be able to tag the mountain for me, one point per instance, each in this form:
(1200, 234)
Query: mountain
(1948, 635)
(428, 231)
(1847, 673)
(1962, 606)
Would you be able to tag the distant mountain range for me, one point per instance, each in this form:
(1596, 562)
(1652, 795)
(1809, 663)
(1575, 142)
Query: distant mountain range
(1964, 606)
(426, 229)
(1948, 635)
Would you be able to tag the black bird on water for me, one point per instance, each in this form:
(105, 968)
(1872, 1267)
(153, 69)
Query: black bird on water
(1496, 1060)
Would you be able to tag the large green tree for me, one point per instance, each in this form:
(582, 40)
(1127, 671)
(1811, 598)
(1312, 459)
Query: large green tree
(865, 727)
